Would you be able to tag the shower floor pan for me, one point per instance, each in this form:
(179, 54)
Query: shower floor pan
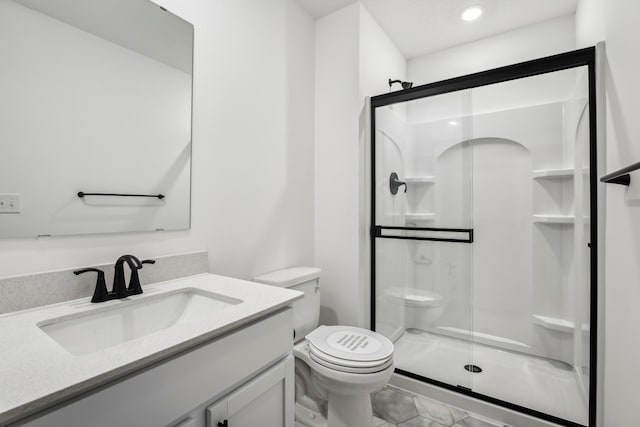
(543, 385)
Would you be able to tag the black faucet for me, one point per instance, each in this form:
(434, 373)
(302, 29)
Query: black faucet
(119, 283)
(119, 289)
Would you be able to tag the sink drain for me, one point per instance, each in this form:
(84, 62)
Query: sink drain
(473, 368)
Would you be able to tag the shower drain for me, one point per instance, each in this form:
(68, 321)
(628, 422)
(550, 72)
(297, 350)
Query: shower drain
(473, 368)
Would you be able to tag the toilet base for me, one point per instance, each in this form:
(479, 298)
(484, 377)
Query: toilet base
(306, 417)
(349, 410)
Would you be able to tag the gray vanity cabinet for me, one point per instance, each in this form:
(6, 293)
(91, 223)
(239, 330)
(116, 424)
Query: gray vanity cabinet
(265, 401)
(245, 377)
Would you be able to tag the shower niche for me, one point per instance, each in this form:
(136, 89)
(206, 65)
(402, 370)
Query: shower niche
(483, 270)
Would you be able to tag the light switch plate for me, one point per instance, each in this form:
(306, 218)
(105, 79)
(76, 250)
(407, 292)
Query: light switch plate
(10, 203)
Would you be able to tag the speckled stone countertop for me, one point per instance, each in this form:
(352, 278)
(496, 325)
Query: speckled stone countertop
(36, 372)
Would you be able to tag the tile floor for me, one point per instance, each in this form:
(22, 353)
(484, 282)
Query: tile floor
(393, 407)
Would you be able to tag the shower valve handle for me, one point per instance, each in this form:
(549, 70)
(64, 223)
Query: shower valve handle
(395, 183)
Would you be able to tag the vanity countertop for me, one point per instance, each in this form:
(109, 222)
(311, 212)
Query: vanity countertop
(36, 372)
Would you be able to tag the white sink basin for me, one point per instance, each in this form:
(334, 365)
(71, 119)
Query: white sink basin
(134, 319)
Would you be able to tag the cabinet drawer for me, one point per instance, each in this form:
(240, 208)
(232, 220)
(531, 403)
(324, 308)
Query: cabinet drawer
(163, 393)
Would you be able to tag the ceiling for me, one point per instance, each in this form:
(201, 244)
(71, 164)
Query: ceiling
(419, 27)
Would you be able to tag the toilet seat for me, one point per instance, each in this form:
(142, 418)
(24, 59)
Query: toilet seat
(350, 349)
(350, 369)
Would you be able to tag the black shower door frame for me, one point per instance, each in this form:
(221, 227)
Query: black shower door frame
(573, 59)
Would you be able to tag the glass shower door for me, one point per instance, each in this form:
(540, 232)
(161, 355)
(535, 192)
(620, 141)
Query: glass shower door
(423, 234)
(531, 256)
(484, 236)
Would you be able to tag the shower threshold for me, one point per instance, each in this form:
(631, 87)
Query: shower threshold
(546, 386)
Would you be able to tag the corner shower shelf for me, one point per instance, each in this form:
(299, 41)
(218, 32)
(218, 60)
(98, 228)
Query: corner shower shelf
(554, 219)
(410, 217)
(416, 180)
(553, 173)
(556, 324)
(553, 323)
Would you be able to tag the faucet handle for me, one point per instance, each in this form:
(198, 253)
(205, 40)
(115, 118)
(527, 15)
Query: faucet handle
(100, 294)
(134, 282)
(132, 261)
(119, 283)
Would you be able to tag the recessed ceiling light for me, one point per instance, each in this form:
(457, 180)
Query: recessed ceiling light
(471, 13)
(453, 123)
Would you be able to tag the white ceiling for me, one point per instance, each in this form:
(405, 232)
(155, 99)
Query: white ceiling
(419, 27)
(320, 8)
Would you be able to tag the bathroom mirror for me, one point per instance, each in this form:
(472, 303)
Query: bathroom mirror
(95, 102)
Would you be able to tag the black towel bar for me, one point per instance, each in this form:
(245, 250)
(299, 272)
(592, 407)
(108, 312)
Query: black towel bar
(621, 176)
(81, 194)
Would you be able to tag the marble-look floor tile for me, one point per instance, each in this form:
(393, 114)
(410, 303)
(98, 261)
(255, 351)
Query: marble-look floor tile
(379, 422)
(437, 411)
(421, 422)
(475, 422)
(405, 409)
(393, 405)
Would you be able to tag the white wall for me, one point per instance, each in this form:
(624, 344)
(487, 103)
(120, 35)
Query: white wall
(337, 164)
(615, 21)
(252, 191)
(531, 42)
(590, 22)
(354, 58)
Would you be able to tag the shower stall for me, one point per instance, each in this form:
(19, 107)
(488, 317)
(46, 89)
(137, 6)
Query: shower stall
(483, 239)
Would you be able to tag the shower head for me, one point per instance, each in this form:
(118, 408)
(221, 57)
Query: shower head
(405, 85)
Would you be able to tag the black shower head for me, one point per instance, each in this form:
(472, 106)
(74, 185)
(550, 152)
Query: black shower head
(405, 85)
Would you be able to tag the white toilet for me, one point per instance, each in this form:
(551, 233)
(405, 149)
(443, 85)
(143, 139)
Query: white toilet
(341, 365)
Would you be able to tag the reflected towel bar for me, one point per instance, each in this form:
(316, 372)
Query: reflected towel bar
(81, 194)
(621, 176)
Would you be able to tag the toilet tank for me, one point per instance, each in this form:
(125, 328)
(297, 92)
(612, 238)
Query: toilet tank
(306, 311)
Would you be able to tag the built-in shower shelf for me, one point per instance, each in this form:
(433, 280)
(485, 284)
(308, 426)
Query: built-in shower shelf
(553, 173)
(420, 180)
(427, 216)
(554, 219)
(556, 324)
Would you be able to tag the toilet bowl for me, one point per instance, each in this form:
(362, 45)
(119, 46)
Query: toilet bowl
(347, 364)
(337, 367)
(421, 308)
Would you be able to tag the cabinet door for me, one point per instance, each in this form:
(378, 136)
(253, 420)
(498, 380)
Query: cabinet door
(266, 401)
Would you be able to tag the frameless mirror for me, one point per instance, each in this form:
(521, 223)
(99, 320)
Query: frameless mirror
(95, 117)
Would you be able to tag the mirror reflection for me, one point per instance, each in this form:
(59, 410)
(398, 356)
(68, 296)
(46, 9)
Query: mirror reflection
(96, 98)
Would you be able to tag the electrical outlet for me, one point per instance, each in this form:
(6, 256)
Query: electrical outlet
(10, 203)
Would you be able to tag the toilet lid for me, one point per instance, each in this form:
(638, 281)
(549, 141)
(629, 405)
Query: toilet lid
(350, 347)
